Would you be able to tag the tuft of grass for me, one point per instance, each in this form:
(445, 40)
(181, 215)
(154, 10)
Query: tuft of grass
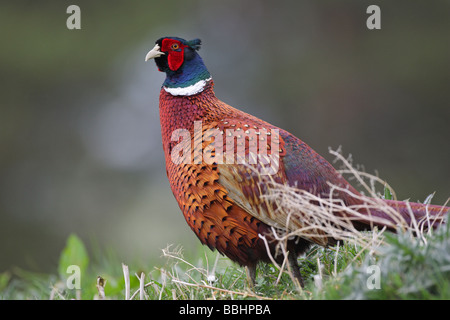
(407, 267)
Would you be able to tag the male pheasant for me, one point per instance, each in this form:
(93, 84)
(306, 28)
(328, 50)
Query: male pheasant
(222, 196)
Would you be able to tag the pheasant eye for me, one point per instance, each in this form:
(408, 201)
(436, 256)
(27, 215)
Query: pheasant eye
(175, 46)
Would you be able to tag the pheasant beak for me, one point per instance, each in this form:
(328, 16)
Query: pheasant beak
(154, 53)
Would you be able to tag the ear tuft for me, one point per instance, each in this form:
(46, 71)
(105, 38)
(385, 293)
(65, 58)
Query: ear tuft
(195, 44)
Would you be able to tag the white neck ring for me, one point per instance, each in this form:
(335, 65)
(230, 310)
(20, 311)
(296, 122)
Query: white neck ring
(188, 91)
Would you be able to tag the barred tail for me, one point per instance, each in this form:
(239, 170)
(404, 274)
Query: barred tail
(412, 214)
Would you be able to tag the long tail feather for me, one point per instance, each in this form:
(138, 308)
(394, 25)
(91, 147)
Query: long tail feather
(415, 215)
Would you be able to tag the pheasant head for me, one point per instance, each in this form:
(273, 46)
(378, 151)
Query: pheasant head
(186, 74)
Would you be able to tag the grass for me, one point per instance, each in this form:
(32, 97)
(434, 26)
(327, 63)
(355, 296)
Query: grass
(409, 268)
(410, 264)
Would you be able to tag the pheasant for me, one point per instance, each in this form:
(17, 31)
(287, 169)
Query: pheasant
(206, 143)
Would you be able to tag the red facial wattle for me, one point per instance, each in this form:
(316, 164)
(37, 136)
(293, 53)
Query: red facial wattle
(175, 53)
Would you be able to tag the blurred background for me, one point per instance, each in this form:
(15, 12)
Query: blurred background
(80, 143)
